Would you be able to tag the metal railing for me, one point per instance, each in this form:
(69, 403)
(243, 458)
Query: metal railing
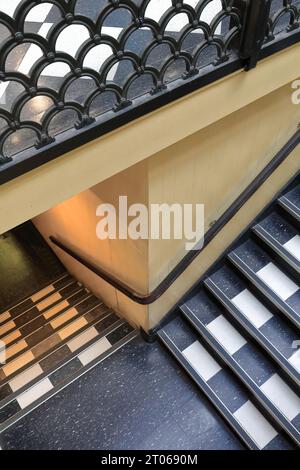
(71, 70)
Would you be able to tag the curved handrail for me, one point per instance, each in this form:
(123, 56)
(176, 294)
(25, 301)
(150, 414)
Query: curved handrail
(147, 299)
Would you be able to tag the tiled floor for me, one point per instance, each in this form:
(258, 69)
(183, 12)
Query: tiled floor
(137, 399)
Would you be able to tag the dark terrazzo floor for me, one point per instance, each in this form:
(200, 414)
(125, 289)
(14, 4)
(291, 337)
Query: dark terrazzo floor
(137, 399)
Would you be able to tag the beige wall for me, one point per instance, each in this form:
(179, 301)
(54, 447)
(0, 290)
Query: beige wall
(74, 222)
(211, 167)
(33, 193)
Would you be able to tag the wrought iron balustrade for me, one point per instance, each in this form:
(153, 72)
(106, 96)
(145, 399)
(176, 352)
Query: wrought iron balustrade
(284, 17)
(71, 70)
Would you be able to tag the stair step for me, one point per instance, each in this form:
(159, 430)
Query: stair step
(291, 202)
(29, 302)
(274, 333)
(281, 237)
(277, 286)
(246, 360)
(54, 340)
(57, 357)
(222, 388)
(79, 362)
(37, 314)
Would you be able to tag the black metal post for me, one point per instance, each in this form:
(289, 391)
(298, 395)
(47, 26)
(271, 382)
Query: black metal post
(257, 14)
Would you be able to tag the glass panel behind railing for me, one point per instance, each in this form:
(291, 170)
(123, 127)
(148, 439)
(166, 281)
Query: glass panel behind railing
(284, 17)
(65, 63)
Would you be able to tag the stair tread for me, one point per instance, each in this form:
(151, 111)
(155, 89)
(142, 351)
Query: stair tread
(246, 360)
(52, 340)
(282, 237)
(223, 388)
(279, 287)
(48, 386)
(291, 202)
(34, 319)
(27, 302)
(57, 358)
(276, 334)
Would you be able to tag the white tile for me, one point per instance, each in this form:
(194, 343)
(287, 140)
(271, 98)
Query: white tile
(203, 363)
(34, 393)
(94, 351)
(226, 334)
(252, 308)
(255, 424)
(25, 377)
(82, 339)
(282, 396)
(293, 246)
(281, 284)
(295, 360)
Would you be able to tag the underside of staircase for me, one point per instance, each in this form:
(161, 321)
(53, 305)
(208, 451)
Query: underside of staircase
(51, 339)
(237, 333)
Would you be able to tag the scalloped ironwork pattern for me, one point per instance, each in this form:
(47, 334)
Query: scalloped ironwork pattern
(284, 17)
(65, 62)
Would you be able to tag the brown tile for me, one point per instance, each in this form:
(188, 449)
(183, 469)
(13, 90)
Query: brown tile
(64, 318)
(7, 327)
(39, 295)
(4, 316)
(15, 348)
(70, 329)
(46, 345)
(11, 337)
(54, 310)
(18, 363)
(49, 301)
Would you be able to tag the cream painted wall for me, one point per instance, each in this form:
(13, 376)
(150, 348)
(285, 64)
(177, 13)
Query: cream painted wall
(212, 167)
(37, 191)
(74, 222)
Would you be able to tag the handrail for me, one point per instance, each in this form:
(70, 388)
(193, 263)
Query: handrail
(147, 299)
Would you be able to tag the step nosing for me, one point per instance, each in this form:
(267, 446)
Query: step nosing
(56, 389)
(73, 355)
(47, 321)
(41, 312)
(245, 378)
(104, 315)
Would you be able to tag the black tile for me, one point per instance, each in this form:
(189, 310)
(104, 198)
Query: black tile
(33, 326)
(5, 391)
(120, 333)
(27, 317)
(202, 306)
(294, 302)
(278, 228)
(65, 372)
(252, 255)
(9, 410)
(228, 282)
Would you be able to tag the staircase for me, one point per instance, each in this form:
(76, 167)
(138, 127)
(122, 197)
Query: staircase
(237, 333)
(51, 339)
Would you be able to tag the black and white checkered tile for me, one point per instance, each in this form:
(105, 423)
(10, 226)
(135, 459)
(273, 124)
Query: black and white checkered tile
(275, 333)
(261, 270)
(50, 339)
(246, 313)
(233, 401)
(253, 367)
